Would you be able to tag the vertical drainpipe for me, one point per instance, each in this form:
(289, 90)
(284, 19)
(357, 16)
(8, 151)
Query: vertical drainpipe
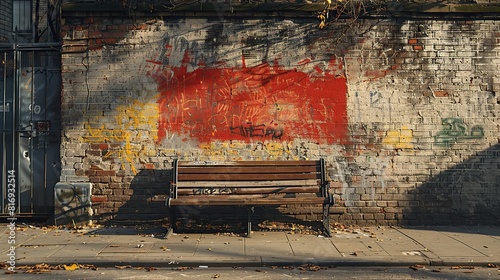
(15, 127)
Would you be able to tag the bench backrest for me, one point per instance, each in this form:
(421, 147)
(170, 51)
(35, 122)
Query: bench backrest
(249, 177)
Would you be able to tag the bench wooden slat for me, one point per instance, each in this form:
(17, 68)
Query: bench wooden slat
(248, 170)
(245, 177)
(246, 184)
(238, 191)
(243, 200)
(250, 163)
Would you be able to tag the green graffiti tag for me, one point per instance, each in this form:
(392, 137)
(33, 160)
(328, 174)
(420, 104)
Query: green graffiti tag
(455, 130)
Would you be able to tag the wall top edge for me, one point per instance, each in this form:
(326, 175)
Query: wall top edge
(388, 9)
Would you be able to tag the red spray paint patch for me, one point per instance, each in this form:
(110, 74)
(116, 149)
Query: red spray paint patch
(260, 102)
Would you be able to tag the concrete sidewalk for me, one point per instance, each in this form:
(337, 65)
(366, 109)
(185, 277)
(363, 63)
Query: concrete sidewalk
(371, 246)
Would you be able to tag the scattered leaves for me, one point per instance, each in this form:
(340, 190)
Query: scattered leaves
(463, 267)
(417, 267)
(46, 268)
(122, 266)
(71, 267)
(309, 267)
(182, 268)
(292, 228)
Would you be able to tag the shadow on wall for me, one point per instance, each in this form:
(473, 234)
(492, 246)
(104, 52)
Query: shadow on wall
(146, 198)
(148, 192)
(467, 194)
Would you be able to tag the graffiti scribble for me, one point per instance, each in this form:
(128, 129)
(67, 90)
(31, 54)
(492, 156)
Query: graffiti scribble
(259, 130)
(454, 131)
(209, 191)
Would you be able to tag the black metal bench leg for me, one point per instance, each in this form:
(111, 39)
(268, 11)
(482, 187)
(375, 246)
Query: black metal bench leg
(326, 220)
(173, 222)
(249, 226)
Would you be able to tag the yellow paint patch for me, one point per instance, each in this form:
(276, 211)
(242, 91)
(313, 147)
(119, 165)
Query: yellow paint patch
(135, 124)
(399, 139)
(275, 149)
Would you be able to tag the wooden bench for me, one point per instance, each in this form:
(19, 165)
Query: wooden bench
(249, 183)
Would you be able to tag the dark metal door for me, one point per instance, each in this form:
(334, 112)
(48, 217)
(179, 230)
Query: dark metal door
(30, 86)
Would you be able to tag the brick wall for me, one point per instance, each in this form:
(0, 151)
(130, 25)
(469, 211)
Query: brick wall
(45, 9)
(5, 20)
(404, 111)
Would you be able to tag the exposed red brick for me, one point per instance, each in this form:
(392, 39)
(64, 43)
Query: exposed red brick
(418, 47)
(94, 47)
(149, 166)
(109, 41)
(99, 146)
(441, 93)
(105, 172)
(99, 198)
(412, 41)
(95, 167)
